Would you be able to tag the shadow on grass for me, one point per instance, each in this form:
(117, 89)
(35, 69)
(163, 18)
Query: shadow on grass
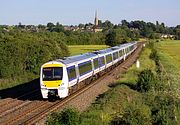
(130, 85)
(26, 91)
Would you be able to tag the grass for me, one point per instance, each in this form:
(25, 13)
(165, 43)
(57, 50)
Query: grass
(79, 49)
(145, 63)
(169, 52)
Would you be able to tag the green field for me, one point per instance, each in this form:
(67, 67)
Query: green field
(169, 52)
(79, 49)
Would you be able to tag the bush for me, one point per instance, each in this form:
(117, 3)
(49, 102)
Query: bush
(162, 107)
(146, 81)
(133, 114)
(154, 56)
(66, 117)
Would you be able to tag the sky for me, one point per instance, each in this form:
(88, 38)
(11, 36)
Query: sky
(73, 12)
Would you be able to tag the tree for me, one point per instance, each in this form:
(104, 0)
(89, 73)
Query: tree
(116, 37)
(124, 23)
(41, 27)
(50, 26)
(110, 38)
(177, 32)
(58, 28)
(81, 25)
(107, 24)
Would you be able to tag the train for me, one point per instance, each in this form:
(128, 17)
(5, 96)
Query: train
(58, 78)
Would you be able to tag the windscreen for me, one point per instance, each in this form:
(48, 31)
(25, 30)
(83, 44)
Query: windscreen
(52, 73)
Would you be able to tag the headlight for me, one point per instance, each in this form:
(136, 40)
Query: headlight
(43, 89)
(62, 84)
(61, 88)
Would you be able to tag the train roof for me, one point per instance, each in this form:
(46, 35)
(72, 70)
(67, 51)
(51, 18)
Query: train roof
(80, 57)
(76, 58)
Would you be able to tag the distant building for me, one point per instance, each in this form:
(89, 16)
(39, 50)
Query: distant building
(71, 28)
(96, 19)
(87, 28)
(96, 27)
(167, 36)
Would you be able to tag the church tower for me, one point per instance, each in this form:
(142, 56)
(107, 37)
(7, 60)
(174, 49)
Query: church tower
(96, 19)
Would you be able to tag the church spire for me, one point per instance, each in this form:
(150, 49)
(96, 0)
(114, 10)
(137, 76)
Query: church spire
(96, 19)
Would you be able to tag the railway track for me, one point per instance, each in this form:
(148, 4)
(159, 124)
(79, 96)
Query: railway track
(31, 112)
(16, 104)
(7, 104)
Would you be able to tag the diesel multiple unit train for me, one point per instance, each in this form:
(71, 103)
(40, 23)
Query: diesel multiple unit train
(58, 77)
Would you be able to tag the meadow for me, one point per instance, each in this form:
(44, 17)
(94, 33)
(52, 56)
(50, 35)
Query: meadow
(169, 52)
(80, 49)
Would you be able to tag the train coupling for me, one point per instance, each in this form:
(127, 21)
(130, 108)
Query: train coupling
(52, 92)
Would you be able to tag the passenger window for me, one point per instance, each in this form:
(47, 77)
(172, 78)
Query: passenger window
(71, 73)
(108, 58)
(85, 67)
(96, 65)
(101, 61)
(120, 53)
(115, 55)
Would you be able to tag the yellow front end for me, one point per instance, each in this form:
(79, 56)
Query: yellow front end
(51, 79)
(52, 84)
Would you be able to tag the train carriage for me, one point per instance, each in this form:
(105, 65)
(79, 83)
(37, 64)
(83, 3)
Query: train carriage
(59, 76)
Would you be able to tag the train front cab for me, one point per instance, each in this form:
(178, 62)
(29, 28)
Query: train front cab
(53, 81)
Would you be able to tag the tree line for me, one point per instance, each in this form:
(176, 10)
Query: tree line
(118, 33)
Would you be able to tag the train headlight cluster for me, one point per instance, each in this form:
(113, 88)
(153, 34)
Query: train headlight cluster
(43, 89)
(61, 84)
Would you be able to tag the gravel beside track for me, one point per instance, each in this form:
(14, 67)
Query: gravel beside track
(30, 112)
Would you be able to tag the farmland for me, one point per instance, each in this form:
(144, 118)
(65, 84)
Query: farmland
(169, 52)
(79, 49)
(170, 55)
